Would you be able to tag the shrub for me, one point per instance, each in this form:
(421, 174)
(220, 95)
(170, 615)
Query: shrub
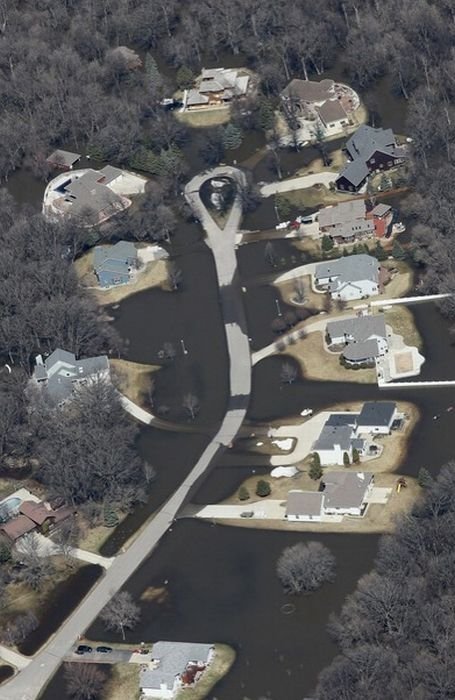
(263, 488)
(244, 494)
(315, 471)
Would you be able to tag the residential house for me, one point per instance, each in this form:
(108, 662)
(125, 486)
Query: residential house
(382, 216)
(334, 442)
(91, 196)
(65, 160)
(308, 94)
(376, 417)
(60, 373)
(304, 506)
(369, 150)
(216, 87)
(34, 515)
(346, 222)
(333, 115)
(364, 338)
(173, 664)
(114, 265)
(352, 277)
(17, 527)
(346, 492)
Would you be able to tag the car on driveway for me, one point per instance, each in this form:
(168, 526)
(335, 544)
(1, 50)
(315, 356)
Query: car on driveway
(83, 649)
(104, 650)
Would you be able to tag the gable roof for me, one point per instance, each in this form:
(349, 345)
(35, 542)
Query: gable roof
(368, 139)
(304, 502)
(37, 512)
(110, 257)
(309, 90)
(360, 328)
(345, 489)
(63, 158)
(331, 436)
(341, 213)
(332, 111)
(378, 413)
(173, 659)
(356, 352)
(381, 209)
(352, 228)
(16, 527)
(355, 172)
(352, 268)
(62, 370)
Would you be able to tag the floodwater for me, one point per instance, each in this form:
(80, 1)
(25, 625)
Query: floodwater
(6, 672)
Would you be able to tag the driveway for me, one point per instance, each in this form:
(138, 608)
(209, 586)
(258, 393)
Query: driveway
(298, 183)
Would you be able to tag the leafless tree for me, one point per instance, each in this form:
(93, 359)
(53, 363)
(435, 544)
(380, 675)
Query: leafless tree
(121, 613)
(168, 351)
(66, 537)
(269, 254)
(190, 403)
(174, 276)
(299, 290)
(84, 681)
(288, 373)
(303, 568)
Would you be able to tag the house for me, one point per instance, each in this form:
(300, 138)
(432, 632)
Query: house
(333, 443)
(65, 160)
(216, 87)
(33, 515)
(17, 527)
(376, 417)
(172, 665)
(345, 222)
(352, 277)
(382, 215)
(369, 150)
(365, 338)
(60, 373)
(304, 506)
(333, 115)
(91, 196)
(308, 93)
(346, 492)
(114, 265)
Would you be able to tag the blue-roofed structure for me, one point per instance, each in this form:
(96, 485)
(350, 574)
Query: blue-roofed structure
(114, 265)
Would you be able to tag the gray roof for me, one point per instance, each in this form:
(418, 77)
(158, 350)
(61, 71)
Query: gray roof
(173, 659)
(309, 90)
(65, 158)
(359, 328)
(378, 413)
(109, 173)
(341, 213)
(345, 489)
(337, 419)
(334, 435)
(88, 193)
(332, 111)
(116, 258)
(304, 502)
(358, 352)
(352, 268)
(194, 97)
(367, 140)
(381, 209)
(354, 228)
(61, 370)
(355, 172)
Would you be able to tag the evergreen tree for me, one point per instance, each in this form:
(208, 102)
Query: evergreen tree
(379, 252)
(355, 455)
(397, 251)
(232, 137)
(263, 488)
(315, 470)
(346, 460)
(424, 478)
(184, 78)
(110, 516)
(326, 244)
(266, 115)
(283, 206)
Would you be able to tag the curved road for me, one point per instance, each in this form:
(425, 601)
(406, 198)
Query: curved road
(28, 683)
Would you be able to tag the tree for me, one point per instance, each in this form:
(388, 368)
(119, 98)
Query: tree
(326, 243)
(263, 488)
(5, 552)
(269, 254)
(232, 137)
(397, 251)
(15, 631)
(84, 681)
(288, 373)
(184, 78)
(278, 325)
(299, 290)
(346, 460)
(424, 478)
(303, 568)
(244, 494)
(174, 276)
(355, 456)
(121, 613)
(35, 568)
(379, 252)
(66, 537)
(283, 206)
(315, 471)
(212, 149)
(110, 516)
(190, 403)
(168, 351)
(266, 114)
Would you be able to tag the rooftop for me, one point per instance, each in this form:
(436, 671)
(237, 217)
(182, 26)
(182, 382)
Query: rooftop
(173, 659)
(352, 268)
(304, 502)
(338, 419)
(345, 489)
(352, 228)
(61, 371)
(355, 171)
(381, 209)
(368, 139)
(106, 257)
(357, 352)
(378, 413)
(331, 111)
(342, 213)
(16, 527)
(331, 435)
(37, 512)
(359, 328)
(309, 90)
(65, 159)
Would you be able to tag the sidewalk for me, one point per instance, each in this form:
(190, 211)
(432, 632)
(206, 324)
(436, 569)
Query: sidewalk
(13, 657)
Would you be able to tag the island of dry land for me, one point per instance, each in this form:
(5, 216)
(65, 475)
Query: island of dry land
(378, 517)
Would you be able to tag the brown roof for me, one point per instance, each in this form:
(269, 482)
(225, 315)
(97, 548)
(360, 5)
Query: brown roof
(62, 513)
(308, 90)
(332, 111)
(35, 511)
(16, 527)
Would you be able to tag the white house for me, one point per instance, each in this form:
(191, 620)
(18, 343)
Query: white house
(174, 665)
(364, 337)
(304, 506)
(346, 492)
(376, 418)
(333, 443)
(352, 277)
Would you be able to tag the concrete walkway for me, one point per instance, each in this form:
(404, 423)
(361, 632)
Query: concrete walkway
(28, 684)
(305, 433)
(45, 547)
(13, 657)
(300, 271)
(298, 183)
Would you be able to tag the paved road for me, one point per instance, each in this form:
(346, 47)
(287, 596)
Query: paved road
(28, 683)
(298, 183)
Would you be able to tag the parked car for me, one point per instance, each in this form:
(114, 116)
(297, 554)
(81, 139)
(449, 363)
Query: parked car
(83, 649)
(104, 650)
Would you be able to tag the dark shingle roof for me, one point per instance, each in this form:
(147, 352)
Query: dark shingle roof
(304, 502)
(345, 489)
(376, 413)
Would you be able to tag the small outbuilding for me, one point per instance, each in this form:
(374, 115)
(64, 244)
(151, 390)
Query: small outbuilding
(65, 160)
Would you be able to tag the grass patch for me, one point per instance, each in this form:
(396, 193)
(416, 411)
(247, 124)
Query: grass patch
(317, 165)
(222, 662)
(314, 196)
(123, 683)
(209, 116)
(311, 350)
(134, 380)
(93, 538)
(401, 320)
(402, 279)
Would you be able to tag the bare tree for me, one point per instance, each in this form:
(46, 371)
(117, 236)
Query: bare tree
(299, 290)
(174, 276)
(15, 631)
(35, 567)
(303, 568)
(269, 254)
(66, 537)
(84, 681)
(288, 373)
(190, 403)
(168, 351)
(121, 613)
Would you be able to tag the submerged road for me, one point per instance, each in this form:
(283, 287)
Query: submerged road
(29, 682)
